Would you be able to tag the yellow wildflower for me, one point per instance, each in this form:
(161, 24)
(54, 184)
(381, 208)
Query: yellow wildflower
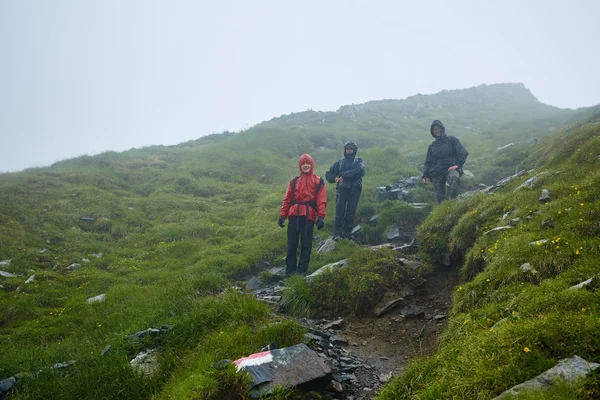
(526, 350)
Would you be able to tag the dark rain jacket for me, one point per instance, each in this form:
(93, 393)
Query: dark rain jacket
(350, 168)
(307, 199)
(443, 153)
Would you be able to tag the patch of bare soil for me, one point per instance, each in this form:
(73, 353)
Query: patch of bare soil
(389, 342)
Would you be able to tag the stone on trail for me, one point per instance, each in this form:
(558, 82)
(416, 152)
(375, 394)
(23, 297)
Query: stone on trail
(296, 367)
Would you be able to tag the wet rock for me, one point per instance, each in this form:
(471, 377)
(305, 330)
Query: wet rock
(327, 247)
(328, 267)
(386, 306)
(567, 369)
(581, 285)
(393, 233)
(254, 283)
(337, 324)
(412, 311)
(96, 299)
(150, 332)
(499, 228)
(548, 223)
(539, 242)
(146, 363)
(544, 196)
(74, 266)
(526, 267)
(296, 367)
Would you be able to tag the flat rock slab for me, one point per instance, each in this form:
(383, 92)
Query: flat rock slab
(296, 367)
(567, 369)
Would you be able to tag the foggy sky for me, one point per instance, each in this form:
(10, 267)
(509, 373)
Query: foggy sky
(85, 76)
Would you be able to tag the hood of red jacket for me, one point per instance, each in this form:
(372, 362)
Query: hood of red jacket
(303, 159)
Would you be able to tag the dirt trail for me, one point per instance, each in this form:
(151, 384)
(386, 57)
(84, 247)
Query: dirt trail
(389, 342)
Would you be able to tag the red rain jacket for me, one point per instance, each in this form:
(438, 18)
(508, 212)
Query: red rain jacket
(306, 190)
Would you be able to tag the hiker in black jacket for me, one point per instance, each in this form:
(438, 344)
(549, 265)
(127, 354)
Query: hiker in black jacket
(347, 174)
(444, 162)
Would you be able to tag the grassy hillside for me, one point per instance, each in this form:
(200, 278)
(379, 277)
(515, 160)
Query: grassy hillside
(510, 323)
(164, 232)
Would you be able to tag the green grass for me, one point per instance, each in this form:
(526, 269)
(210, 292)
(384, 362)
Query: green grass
(177, 226)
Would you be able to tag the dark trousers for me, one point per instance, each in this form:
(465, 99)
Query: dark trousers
(439, 185)
(346, 201)
(299, 227)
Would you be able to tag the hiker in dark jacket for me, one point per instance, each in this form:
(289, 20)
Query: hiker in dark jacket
(347, 173)
(304, 206)
(444, 162)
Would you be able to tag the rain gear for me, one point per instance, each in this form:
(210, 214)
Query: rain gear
(443, 153)
(446, 151)
(304, 201)
(347, 194)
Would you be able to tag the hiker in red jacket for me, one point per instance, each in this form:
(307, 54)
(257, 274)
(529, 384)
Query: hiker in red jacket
(304, 206)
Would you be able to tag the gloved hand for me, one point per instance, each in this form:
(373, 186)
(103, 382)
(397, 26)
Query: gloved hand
(320, 223)
(280, 222)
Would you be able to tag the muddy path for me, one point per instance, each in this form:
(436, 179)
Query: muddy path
(364, 353)
(390, 342)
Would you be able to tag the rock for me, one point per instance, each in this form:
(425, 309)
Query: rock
(43, 251)
(547, 223)
(96, 299)
(393, 233)
(383, 378)
(327, 247)
(296, 367)
(374, 219)
(500, 228)
(97, 255)
(328, 267)
(338, 340)
(439, 317)
(4, 263)
(151, 332)
(30, 279)
(381, 309)
(506, 146)
(146, 363)
(337, 324)
(7, 385)
(567, 369)
(544, 196)
(581, 285)
(412, 311)
(526, 267)
(88, 219)
(254, 283)
(539, 242)
(7, 274)
(74, 266)
(355, 230)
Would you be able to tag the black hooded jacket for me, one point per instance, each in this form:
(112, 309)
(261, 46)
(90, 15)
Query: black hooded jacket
(350, 168)
(443, 153)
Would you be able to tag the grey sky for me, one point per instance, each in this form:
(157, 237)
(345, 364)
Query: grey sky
(85, 76)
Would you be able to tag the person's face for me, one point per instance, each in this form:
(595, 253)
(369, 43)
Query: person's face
(305, 167)
(437, 130)
(349, 150)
